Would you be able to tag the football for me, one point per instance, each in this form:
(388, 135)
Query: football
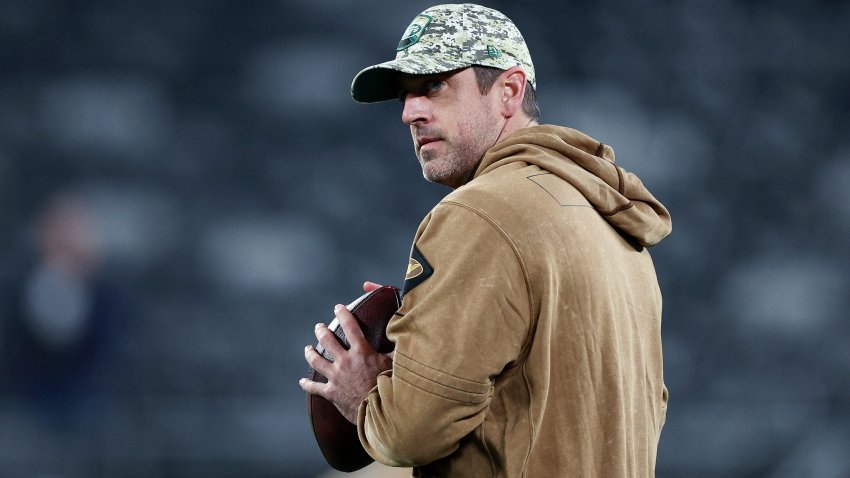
(336, 436)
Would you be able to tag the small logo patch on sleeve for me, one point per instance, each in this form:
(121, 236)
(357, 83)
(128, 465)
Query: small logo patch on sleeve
(414, 269)
(418, 270)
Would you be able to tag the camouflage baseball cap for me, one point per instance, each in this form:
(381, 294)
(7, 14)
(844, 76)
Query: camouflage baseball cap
(445, 38)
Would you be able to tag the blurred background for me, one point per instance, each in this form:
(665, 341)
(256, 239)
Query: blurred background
(187, 187)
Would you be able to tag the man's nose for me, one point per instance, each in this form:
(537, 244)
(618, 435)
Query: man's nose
(416, 110)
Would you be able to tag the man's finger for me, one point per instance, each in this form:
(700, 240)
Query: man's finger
(328, 340)
(370, 286)
(317, 362)
(350, 327)
(315, 388)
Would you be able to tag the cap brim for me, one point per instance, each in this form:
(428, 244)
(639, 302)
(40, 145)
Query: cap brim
(376, 83)
(380, 82)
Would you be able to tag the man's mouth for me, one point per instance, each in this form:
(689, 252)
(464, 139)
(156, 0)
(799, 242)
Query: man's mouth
(424, 141)
(420, 142)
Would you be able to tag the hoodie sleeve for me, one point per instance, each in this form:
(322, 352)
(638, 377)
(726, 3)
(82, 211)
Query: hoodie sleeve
(465, 318)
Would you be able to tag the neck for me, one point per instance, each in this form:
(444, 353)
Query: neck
(515, 123)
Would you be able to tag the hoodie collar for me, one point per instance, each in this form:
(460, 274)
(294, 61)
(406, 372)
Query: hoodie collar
(588, 165)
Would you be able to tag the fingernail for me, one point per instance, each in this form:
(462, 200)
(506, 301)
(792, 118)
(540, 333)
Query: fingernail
(337, 307)
(302, 380)
(307, 347)
(318, 325)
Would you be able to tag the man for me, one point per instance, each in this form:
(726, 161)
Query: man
(528, 342)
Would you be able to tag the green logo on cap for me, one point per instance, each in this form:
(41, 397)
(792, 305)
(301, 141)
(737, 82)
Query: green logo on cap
(413, 32)
(493, 52)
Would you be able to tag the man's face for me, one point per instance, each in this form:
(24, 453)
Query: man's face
(451, 122)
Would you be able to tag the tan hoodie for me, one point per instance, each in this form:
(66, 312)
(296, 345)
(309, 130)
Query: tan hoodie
(529, 339)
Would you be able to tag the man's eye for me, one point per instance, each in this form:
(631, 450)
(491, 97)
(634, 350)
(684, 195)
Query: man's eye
(435, 85)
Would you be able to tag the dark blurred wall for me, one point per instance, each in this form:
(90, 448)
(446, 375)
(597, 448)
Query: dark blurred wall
(232, 192)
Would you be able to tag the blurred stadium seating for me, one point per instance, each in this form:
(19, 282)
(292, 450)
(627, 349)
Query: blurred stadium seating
(232, 178)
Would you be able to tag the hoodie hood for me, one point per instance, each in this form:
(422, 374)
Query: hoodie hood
(588, 165)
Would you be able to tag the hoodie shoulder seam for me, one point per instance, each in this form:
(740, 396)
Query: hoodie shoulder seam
(550, 192)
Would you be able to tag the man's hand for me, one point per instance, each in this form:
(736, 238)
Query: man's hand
(354, 372)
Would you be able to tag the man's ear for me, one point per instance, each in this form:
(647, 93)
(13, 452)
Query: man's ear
(512, 90)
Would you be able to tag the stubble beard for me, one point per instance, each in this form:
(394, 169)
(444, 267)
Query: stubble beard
(450, 167)
(455, 161)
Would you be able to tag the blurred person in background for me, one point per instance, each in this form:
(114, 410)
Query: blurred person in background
(528, 342)
(62, 313)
